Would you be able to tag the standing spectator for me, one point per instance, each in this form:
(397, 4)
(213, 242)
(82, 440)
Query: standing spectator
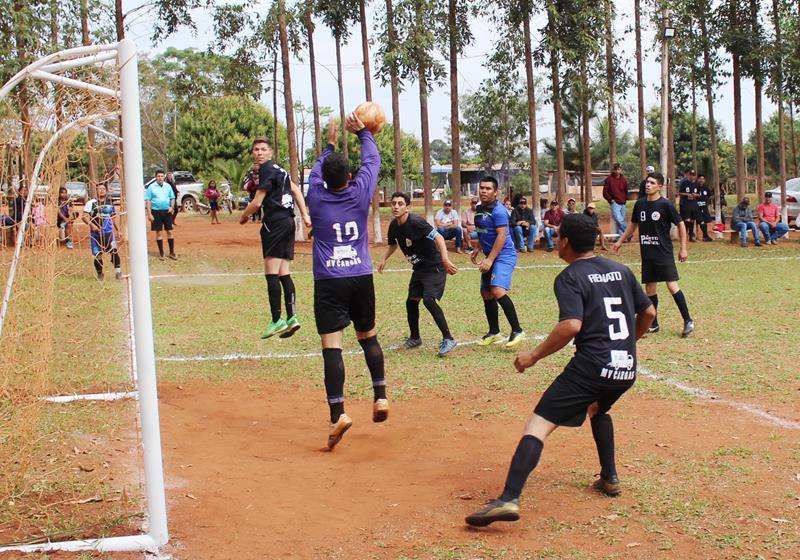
(642, 194)
(523, 224)
(591, 211)
(498, 265)
(688, 193)
(448, 224)
(703, 194)
(64, 218)
(213, 194)
(742, 220)
(615, 191)
(170, 180)
(468, 223)
(101, 216)
(250, 186)
(160, 202)
(552, 220)
(654, 216)
(227, 195)
(769, 216)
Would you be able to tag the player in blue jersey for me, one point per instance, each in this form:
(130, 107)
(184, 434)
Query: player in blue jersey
(343, 287)
(491, 223)
(101, 216)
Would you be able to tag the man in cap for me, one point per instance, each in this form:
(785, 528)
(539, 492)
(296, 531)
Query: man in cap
(591, 211)
(448, 224)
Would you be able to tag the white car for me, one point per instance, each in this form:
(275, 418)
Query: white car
(792, 198)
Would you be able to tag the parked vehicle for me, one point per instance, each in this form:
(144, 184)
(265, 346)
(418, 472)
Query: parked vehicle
(792, 197)
(190, 190)
(77, 190)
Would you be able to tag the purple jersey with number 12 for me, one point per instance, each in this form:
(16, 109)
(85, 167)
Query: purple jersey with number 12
(339, 218)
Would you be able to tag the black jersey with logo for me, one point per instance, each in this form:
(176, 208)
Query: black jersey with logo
(278, 204)
(689, 187)
(415, 238)
(655, 219)
(606, 297)
(704, 193)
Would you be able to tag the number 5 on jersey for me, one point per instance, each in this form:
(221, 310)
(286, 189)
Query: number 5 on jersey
(617, 319)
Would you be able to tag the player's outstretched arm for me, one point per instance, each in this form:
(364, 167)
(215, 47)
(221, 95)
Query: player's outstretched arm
(629, 231)
(449, 267)
(390, 249)
(562, 333)
(297, 194)
(254, 205)
(643, 321)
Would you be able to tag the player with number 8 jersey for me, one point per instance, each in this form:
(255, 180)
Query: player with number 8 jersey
(343, 287)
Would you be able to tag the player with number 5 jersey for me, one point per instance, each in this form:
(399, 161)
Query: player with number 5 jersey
(343, 287)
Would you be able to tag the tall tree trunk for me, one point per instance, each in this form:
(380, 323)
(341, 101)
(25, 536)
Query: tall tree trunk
(664, 140)
(612, 116)
(395, 86)
(291, 131)
(455, 137)
(640, 87)
(760, 163)
(341, 93)
(376, 198)
(792, 143)
(275, 103)
(119, 19)
(556, 90)
(427, 185)
(533, 143)
(776, 20)
(586, 151)
(309, 25)
(712, 123)
(741, 184)
(24, 104)
(671, 166)
(694, 123)
(90, 134)
(59, 101)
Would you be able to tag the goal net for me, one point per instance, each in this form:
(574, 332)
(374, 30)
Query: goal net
(79, 437)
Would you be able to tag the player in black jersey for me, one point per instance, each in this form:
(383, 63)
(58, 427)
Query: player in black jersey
(654, 216)
(689, 195)
(703, 194)
(603, 307)
(425, 249)
(276, 196)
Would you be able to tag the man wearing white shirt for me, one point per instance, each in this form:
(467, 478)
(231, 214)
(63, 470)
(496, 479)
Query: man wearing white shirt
(448, 224)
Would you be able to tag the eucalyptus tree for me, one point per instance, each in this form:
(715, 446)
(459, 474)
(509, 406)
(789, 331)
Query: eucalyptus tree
(637, 11)
(553, 44)
(736, 43)
(754, 65)
(417, 41)
(458, 37)
(777, 93)
(305, 14)
(338, 16)
(388, 72)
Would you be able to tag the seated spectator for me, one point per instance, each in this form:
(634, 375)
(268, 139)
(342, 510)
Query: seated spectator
(769, 221)
(523, 225)
(448, 224)
(552, 220)
(570, 207)
(591, 211)
(468, 223)
(509, 208)
(742, 220)
(543, 204)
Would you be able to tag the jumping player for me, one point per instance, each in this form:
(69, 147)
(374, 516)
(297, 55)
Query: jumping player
(276, 196)
(343, 286)
(425, 249)
(491, 223)
(603, 307)
(101, 216)
(654, 217)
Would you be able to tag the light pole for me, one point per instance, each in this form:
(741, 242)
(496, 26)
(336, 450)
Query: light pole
(668, 33)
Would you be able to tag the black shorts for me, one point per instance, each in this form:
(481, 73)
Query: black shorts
(213, 204)
(162, 219)
(691, 213)
(705, 214)
(564, 403)
(337, 301)
(277, 239)
(659, 271)
(427, 284)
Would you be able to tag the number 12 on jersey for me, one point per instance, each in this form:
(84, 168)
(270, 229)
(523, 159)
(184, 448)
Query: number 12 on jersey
(617, 318)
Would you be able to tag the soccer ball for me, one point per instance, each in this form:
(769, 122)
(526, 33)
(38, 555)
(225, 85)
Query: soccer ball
(372, 115)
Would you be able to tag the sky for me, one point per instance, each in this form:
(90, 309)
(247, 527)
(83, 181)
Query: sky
(472, 72)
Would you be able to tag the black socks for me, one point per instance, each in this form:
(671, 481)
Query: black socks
(510, 312)
(160, 244)
(654, 300)
(412, 312)
(603, 432)
(680, 301)
(334, 380)
(171, 243)
(525, 459)
(438, 317)
(274, 293)
(492, 315)
(288, 294)
(98, 263)
(373, 355)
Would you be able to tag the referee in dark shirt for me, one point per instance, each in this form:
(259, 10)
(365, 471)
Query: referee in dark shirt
(603, 307)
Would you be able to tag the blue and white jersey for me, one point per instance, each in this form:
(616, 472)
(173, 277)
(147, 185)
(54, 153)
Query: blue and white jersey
(101, 214)
(488, 218)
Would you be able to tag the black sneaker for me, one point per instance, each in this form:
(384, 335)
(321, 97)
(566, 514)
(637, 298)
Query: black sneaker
(497, 510)
(412, 343)
(654, 328)
(688, 327)
(608, 487)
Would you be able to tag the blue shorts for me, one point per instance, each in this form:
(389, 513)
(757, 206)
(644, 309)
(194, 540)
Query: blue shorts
(500, 274)
(102, 243)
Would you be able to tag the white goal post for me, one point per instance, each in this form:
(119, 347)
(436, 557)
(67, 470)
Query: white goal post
(47, 69)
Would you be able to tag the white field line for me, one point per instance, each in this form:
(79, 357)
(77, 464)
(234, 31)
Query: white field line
(93, 397)
(526, 267)
(702, 394)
